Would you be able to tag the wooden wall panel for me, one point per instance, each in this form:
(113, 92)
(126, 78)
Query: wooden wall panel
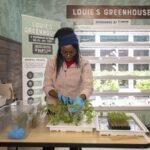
(11, 64)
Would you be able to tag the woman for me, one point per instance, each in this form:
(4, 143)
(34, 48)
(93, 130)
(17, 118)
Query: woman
(68, 76)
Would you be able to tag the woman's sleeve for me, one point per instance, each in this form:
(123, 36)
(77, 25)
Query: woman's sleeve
(48, 83)
(87, 80)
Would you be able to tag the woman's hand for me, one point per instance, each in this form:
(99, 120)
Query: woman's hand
(52, 93)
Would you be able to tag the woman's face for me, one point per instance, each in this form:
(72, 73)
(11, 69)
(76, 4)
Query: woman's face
(68, 52)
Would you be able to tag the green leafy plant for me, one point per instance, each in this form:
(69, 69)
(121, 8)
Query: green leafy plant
(118, 121)
(57, 113)
(142, 84)
(117, 117)
(105, 85)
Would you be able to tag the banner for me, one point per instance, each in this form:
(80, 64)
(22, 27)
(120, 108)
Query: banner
(107, 12)
(37, 46)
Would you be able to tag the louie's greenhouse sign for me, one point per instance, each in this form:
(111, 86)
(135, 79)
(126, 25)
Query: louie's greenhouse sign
(105, 12)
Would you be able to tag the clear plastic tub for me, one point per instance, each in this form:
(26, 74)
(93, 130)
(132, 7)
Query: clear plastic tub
(21, 116)
(33, 112)
(15, 120)
(5, 118)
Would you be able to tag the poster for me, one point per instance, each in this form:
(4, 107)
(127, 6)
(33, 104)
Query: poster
(38, 45)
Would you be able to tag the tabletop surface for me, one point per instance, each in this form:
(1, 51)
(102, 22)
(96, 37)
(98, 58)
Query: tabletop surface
(41, 136)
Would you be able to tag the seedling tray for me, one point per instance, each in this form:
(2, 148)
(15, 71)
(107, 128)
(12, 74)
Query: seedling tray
(136, 127)
(82, 127)
(118, 126)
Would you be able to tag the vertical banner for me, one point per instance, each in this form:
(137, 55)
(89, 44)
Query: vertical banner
(38, 45)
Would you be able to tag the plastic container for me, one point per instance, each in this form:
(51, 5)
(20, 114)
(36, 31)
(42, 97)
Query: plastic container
(20, 115)
(33, 112)
(2, 100)
(16, 120)
(5, 119)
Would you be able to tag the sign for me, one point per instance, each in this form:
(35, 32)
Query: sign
(37, 46)
(112, 21)
(104, 12)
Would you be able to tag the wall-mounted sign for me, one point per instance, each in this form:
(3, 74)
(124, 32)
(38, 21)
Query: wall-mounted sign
(104, 12)
(112, 21)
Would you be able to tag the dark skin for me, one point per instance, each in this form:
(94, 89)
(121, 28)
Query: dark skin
(68, 52)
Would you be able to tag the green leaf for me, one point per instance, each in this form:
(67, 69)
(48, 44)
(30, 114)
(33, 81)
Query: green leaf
(59, 113)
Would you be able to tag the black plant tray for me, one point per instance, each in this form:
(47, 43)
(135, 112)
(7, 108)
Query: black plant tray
(119, 126)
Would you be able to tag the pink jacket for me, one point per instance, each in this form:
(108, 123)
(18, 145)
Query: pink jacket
(72, 81)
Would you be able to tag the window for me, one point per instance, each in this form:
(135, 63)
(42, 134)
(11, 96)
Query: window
(122, 58)
(123, 53)
(93, 67)
(85, 52)
(141, 38)
(106, 53)
(87, 38)
(123, 67)
(141, 67)
(114, 38)
(141, 52)
(108, 67)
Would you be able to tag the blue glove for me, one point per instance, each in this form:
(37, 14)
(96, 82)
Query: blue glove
(78, 101)
(69, 100)
(65, 100)
(16, 133)
(62, 98)
(73, 110)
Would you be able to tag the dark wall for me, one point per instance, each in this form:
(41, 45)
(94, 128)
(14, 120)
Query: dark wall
(11, 64)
